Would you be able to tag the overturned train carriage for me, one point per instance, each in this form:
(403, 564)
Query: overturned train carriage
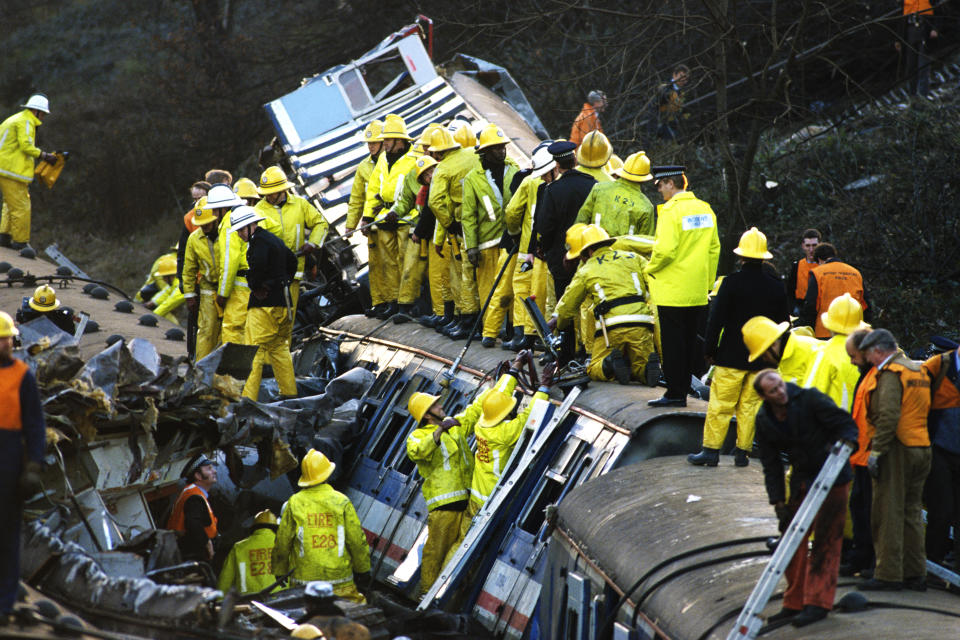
(501, 580)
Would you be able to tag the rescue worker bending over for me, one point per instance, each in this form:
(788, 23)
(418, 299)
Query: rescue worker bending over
(152, 285)
(169, 298)
(22, 445)
(620, 207)
(837, 376)
(612, 282)
(497, 430)
(440, 449)
(320, 537)
(796, 357)
(270, 311)
(295, 221)
(248, 567)
(44, 303)
(192, 517)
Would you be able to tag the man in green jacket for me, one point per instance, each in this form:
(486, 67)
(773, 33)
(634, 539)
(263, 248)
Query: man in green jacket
(681, 271)
(620, 207)
(18, 150)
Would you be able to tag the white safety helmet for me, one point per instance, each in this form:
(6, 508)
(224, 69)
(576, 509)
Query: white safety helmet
(542, 162)
(221, 196)
(242, 216)
(39, 102)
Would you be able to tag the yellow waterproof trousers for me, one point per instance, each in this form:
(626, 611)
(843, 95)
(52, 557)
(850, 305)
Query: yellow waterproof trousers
(265, 328)
(443, 532)
(233, 327)
(455, 271)
(15, 217)
(294, 299)
(731, 393)
(636, 344)
(521, 289)
(502, 302)
(588, 326)
(469, 292)
(439, 277)
(383, 265)
(541, 287)
(348, 591)
(208, 323)
(414, 266)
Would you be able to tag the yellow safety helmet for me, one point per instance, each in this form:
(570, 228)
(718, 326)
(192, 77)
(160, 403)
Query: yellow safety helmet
(593, 237)
(371, 132)
(636, 168)
(306, 632)
(44, 299)
(423, 164)
(491, 136)
(273, 180)
(573, 240)
(246, 188)
(7, 328)
(464, 135)
(315, 468)
(753, 244)
(759, 332)
(613, 164)
(203, 216)
(441, 140)
(394, 127)
(594, 151)
(496, 406)
(265, 517)
(844, 315)
(419, 403)
(166, 266)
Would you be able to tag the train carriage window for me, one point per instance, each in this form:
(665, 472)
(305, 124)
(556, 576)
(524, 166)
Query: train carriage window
(386, 435)
(353, 86)
(546, 493)
(386, 75)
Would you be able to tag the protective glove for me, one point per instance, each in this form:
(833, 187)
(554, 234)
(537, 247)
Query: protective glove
(308, 247)
(29, 483)
(455, 228)
(48, 157)
(222, 302)
(783, 517)
(473, 255)
(391, 216)
(439, 249)
(365, 226)
(873, 465)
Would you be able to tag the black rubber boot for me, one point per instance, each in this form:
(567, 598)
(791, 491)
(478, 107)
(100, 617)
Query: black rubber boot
(387, 310)
(488, 343)
(706, 458)
(404, 314)
(462, 331)
(429, 321)
(740, 458)
(508, 345)
(5, 239)
(446, 328)
(449, 315)
(506, 332)
(616, 366)
(374, 310)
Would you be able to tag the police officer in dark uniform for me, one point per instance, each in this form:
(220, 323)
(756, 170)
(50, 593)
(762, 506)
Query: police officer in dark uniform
(558, 209)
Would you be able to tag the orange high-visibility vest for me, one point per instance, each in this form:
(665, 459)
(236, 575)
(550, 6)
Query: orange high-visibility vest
(917, 6)
(188, 221)
(177, 523)
(914, 406)
(859, 413)
(10, 379)
(803, 277)
(833, 280)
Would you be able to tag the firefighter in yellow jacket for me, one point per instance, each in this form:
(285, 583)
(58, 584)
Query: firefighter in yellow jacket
(320, 537)
(292, 219)
(169, 298)
(446, 201)
(835, 375)
(612, 281)
(200, 279)
(248, 567)
(383, 190)
(620, 207)
(18, 150)
(440, 449)
(497, 430)
(797, 357)
(486, 191)
(358, 197)
(233, 292)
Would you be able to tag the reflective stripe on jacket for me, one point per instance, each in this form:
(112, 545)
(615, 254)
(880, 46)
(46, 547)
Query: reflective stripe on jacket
(609, 275)
(320, 537)
(176, 521)
(683, 265)
(482, 209)
(11, 378)
(800, 360)
(518, 214)
(386, 183)
(619, 207)
(446, 186)
(295, 222)
(232, 260)
(199, 265)
(248, 567)
(446, 468)
(358, 192)
(18, 147)
(836, 376)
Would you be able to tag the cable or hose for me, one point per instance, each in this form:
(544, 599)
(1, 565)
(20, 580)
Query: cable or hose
(607, 626)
